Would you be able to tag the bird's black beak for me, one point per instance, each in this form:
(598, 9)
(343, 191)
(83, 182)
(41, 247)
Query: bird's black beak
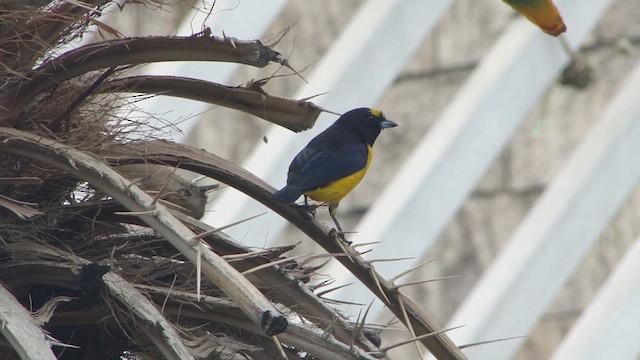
(387, 124)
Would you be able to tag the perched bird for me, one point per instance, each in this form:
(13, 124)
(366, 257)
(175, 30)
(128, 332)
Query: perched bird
(335, 161)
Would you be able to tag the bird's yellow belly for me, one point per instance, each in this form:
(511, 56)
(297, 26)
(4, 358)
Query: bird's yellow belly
(336, 190)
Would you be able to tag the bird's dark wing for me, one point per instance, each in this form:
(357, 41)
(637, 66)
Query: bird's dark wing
(317, 166)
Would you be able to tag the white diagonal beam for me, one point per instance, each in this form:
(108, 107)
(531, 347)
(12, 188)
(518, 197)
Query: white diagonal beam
(450, 160)
(557, 233)
(472, 131)
(355, 72)
(610, 327)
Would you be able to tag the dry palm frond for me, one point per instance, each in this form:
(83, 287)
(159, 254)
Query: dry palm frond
(109, 256)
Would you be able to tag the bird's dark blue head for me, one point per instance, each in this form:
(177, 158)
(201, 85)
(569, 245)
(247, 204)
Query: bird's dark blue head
(367, 122)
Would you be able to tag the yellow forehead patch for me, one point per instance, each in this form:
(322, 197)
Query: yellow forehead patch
(376, 112)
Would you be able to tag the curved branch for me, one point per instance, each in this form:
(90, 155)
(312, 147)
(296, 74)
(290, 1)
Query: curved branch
(135, 51)
(25, 337)
(158, 329)
(210, 165)
(230, 281)
(291, 114)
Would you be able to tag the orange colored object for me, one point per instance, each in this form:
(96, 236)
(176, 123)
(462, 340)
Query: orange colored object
(543, 13)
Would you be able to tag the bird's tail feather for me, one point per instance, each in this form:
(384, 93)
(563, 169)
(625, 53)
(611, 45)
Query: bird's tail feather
(287, 195)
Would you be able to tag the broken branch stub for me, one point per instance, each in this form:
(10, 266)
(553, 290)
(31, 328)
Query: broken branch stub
(295, 115)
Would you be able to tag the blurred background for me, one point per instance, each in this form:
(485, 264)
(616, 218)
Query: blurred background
(515, 164)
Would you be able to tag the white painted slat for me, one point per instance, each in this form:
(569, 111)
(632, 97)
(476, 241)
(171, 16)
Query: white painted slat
(557, 233)
(359, 67)
(609, 328)
(447, 164)
(472, 131)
